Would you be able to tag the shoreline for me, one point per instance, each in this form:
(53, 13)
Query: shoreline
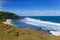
(9, 22)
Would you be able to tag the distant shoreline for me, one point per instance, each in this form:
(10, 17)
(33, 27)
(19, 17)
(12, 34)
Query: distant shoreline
(9, 22)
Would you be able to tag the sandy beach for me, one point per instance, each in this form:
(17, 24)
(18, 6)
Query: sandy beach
(8, 21)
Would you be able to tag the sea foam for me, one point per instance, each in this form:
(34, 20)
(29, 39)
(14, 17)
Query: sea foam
(57, 33)
(53, 27)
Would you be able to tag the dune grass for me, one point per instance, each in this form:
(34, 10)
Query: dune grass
(8, 32)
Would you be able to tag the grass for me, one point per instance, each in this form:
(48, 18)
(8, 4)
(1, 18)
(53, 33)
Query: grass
(8, 32)
(2, 20)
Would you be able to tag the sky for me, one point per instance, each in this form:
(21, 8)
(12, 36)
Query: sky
(31, 7)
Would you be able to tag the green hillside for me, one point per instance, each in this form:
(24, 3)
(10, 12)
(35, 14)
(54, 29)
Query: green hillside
(8, 15)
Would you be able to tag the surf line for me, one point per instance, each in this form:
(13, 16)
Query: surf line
(53, 27)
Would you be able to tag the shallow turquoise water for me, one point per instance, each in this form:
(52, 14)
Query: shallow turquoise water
(20, 24)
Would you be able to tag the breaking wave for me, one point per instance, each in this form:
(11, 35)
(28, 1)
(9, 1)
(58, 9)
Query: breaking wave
(53, 27)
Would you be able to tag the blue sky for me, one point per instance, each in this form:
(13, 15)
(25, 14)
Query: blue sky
(33, 7)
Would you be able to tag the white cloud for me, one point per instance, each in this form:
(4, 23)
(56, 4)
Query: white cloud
(41, 13)
(30, 2)
(25, 2)
(2, 2)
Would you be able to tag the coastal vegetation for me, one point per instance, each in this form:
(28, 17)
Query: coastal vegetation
(8, 15)
(9, 32)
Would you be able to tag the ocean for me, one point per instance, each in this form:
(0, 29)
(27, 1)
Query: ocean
(44, 24)
(55, 19)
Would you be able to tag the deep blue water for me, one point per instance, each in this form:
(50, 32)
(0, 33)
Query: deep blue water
(55, 19)
(21, 24)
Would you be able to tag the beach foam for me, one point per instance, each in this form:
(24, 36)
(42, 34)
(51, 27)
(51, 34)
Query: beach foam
(57, 33)
(53, 27)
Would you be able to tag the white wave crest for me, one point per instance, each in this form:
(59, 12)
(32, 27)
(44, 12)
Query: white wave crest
(57, 33)
(44, 25)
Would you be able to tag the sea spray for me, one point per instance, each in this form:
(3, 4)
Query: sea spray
(53, 27)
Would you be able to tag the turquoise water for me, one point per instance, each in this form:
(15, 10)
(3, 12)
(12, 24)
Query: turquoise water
(21, 24)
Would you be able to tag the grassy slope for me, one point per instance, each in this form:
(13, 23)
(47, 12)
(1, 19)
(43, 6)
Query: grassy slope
(8, 15)
(8, 32)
